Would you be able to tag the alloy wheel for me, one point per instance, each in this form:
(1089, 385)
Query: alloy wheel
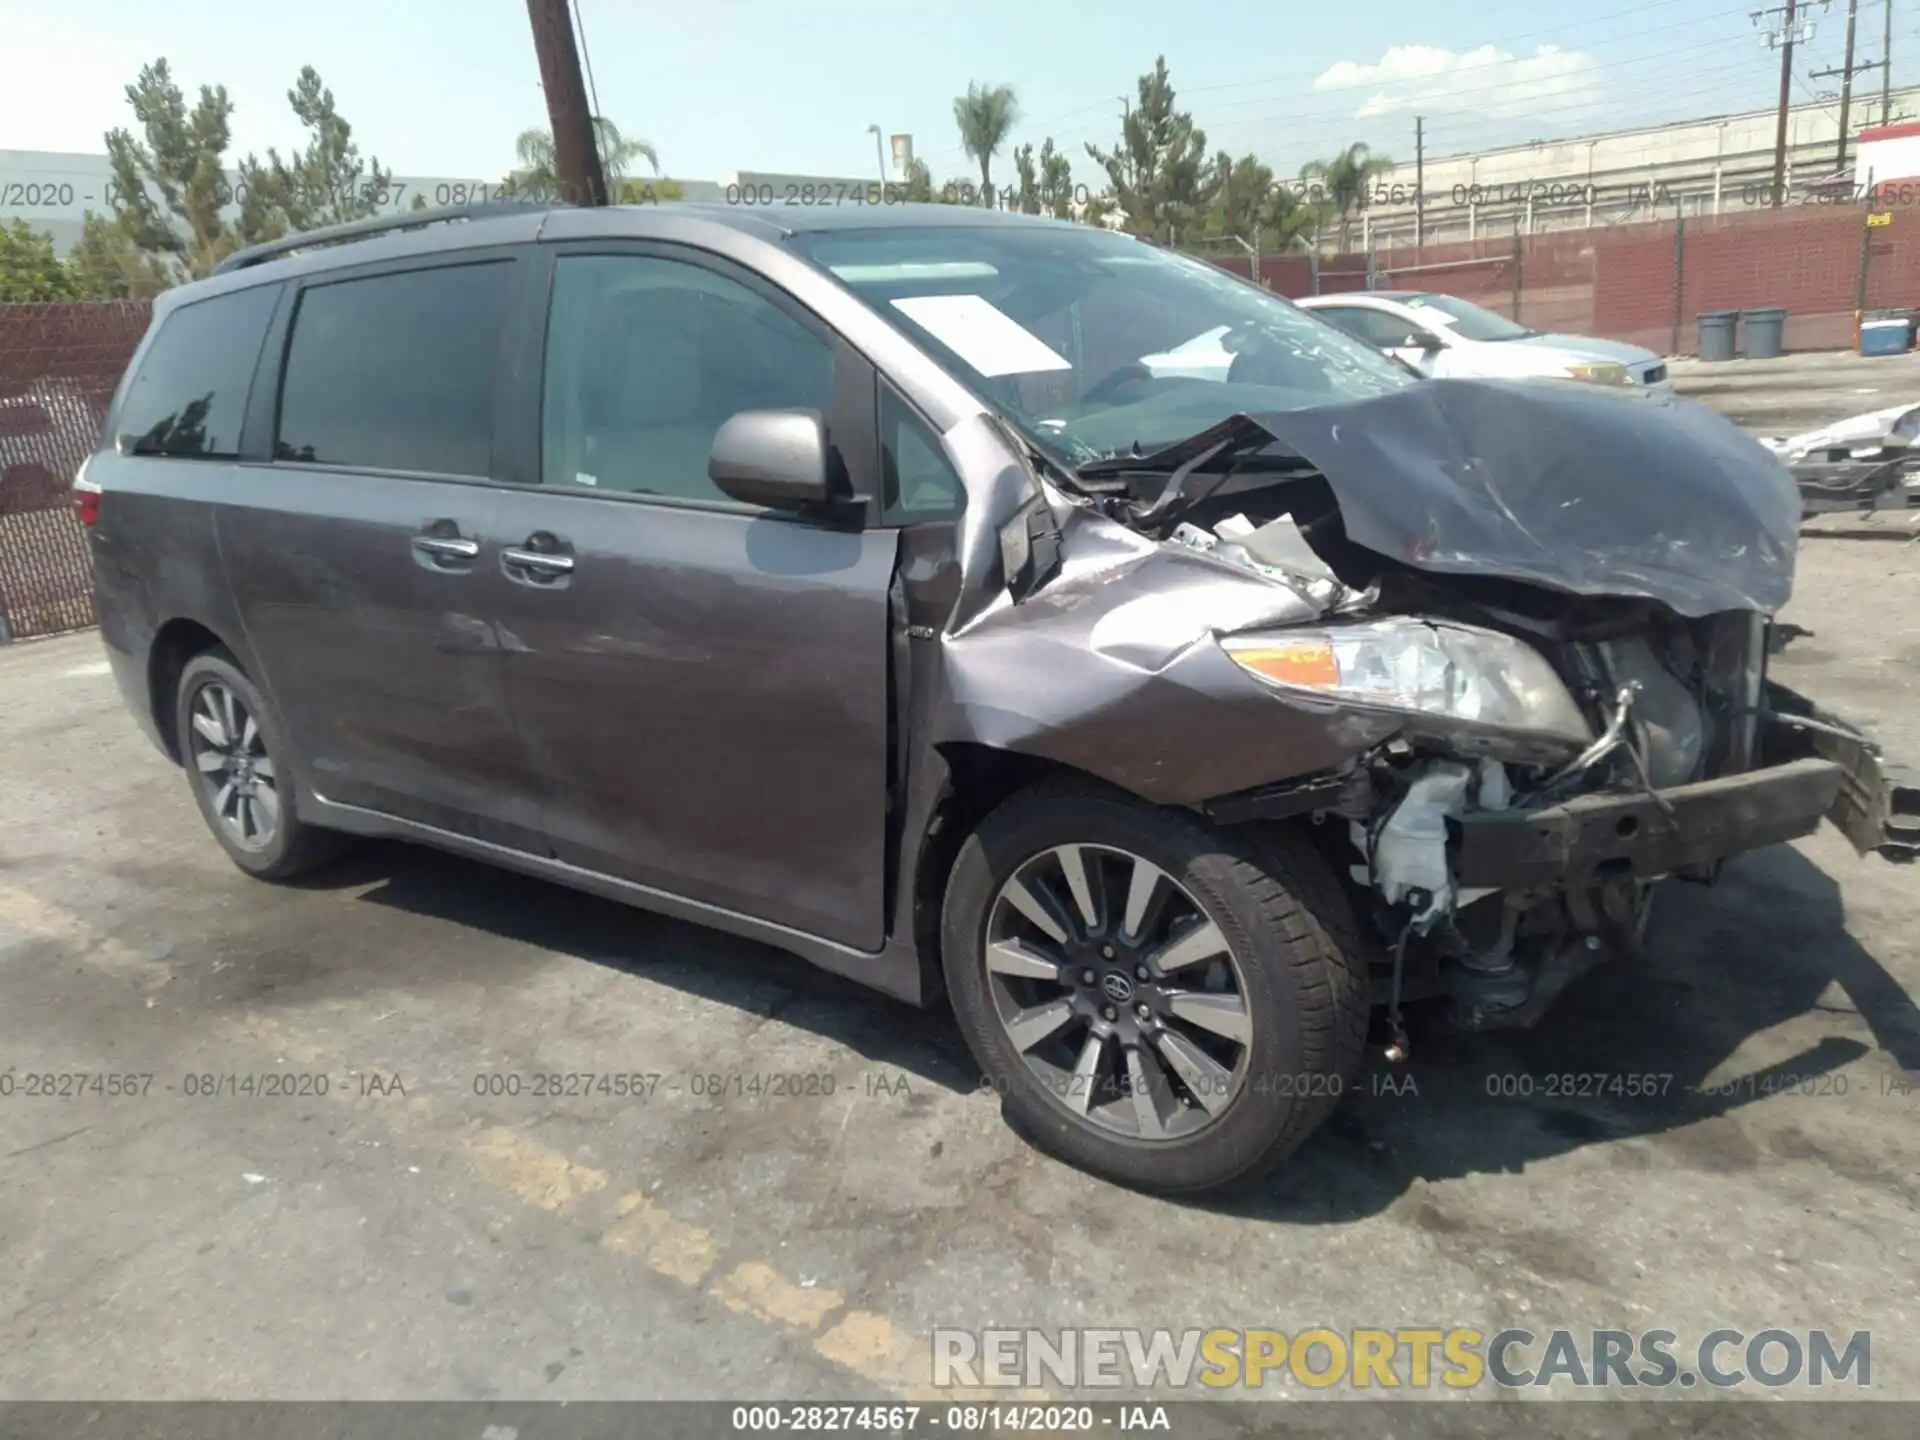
(1121, 994)
(230, 755)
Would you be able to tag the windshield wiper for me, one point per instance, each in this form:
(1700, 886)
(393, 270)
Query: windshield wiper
(1196, 468)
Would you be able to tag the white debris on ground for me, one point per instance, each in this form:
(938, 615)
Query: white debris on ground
(1858, 436)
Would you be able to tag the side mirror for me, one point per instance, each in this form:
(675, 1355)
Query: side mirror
(776, 458)
(1426, 344)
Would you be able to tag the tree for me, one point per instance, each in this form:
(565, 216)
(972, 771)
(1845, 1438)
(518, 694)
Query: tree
(1342, 183)
(325, 184)
(1027, 197)
(29, 270)
(1159, 173)
(919, 184)
(1056, 182)
(172, 199)
(1250, 205)
(107, 265)
(178, 157)
(985, 116)
(538, 174)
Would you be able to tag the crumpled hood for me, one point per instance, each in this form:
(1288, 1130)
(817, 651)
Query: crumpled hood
(1575, 487)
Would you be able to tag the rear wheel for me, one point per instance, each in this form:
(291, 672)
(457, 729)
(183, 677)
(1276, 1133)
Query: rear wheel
(1169, 1005)
(236, 762)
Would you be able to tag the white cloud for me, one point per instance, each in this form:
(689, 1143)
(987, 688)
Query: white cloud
(1486, 81)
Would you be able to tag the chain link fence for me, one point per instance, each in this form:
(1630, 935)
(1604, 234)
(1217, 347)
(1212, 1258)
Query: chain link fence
(59, 365)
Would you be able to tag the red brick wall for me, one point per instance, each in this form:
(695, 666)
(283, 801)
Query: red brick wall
(1629, 282)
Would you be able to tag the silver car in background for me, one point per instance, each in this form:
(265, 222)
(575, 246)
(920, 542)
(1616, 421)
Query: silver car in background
(1442, 335)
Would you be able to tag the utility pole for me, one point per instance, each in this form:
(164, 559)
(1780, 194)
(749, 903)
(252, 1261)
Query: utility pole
(1783, 37)
(1419, 184)
(576, 153)
(1846, 72)
(1886, 63)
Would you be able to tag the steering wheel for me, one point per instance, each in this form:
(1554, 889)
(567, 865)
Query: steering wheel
(1129, 374)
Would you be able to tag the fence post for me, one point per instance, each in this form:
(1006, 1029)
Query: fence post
(1679, 280)
(1516, 271)
(1860, 280)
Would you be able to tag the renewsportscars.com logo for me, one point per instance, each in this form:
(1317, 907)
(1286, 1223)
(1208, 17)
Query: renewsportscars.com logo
(1404, 1358)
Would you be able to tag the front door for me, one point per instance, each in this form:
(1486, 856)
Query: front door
(702, 685)
(359, 553)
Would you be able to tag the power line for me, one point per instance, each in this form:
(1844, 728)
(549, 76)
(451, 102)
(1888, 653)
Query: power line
(586, 59)
(1099, 108)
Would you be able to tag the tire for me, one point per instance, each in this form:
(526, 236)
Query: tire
(1296, 986)
(286, 846)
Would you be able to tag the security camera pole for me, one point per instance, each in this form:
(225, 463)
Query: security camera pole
(575, 155)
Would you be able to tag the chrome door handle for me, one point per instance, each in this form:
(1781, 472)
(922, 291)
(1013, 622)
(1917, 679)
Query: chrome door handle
(540, 561)
(446, 549)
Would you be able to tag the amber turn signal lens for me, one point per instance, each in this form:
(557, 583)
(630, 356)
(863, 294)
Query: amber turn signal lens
(1303, 662)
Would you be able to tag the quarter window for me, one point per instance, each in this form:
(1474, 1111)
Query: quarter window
(190, 394)
(921, 483)
(396, 372)
(647, 357)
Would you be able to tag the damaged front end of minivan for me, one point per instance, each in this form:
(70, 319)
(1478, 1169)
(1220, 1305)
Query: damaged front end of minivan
(1502, 645)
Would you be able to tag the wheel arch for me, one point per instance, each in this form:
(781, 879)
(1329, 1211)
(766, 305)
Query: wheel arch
(174, 644)
(980, 778)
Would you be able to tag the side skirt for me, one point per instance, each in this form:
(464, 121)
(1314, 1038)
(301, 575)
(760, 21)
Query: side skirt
(894, 971)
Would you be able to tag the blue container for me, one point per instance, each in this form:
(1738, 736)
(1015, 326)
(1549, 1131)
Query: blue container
(1886, 337)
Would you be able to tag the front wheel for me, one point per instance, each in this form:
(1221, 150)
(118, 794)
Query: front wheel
(1163, 1003)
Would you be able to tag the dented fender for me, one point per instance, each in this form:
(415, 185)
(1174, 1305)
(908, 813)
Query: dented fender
(1112, 665)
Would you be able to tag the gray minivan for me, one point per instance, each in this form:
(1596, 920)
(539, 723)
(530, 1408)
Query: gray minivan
(847, 579)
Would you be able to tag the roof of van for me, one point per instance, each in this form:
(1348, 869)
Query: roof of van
(510, 224)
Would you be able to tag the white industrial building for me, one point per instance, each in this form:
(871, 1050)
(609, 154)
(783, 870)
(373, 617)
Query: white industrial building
(1717, 165)
(1713, 166)
(53, 190)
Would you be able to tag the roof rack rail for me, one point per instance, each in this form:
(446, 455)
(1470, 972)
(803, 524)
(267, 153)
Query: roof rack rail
(375, 225)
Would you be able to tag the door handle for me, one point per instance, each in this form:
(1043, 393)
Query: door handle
(444, 548)
(539, 561)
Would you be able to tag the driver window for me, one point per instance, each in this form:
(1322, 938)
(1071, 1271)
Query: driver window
(646, 357)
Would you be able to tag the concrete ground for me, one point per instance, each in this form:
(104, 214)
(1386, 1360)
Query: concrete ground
(410, 1235)
(1797, 392)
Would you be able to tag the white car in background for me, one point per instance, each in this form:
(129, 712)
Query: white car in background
(1441, 335)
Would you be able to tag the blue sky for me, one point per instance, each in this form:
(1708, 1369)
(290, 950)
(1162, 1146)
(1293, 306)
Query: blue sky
(440, 87)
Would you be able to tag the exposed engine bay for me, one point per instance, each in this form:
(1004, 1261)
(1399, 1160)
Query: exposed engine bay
(1519, 644)
(1668, 702)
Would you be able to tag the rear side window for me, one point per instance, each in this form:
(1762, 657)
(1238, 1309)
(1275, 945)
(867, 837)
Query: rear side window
(1376, 327)
(396, 372)
(190, 393)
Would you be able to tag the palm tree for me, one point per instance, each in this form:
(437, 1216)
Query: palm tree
(985, 115)
(538, 173)
(1345, 180)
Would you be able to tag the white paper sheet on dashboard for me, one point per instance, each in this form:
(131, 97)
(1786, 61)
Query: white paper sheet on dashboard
(988, 339)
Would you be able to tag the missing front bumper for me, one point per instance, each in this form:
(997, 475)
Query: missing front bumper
(1816, 766)
(1598, 838)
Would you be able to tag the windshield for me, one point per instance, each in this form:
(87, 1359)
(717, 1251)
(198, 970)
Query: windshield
(1468, 321)
(1094, 342)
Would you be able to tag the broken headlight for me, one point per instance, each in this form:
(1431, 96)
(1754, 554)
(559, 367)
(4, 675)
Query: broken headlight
(1457, 672)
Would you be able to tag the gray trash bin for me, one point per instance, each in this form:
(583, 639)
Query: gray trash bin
(1764, 328)
(1716, 333)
